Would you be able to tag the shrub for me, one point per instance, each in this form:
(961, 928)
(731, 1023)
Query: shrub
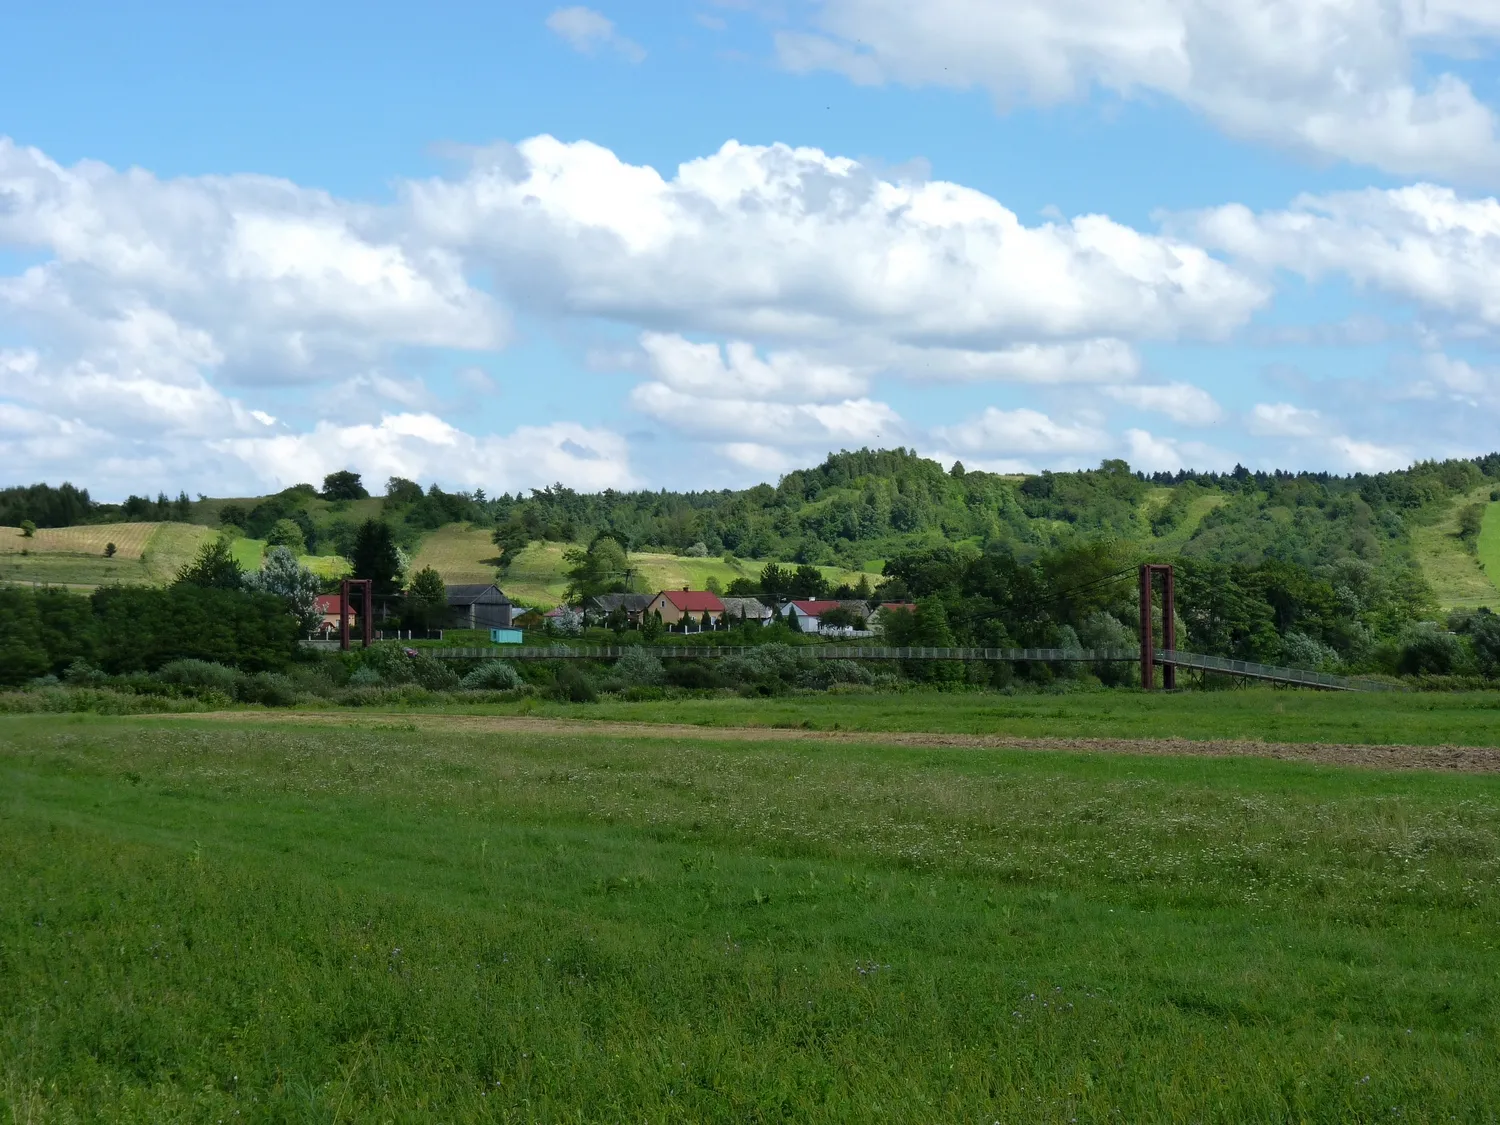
(492, 675)
(638, 668)
(81, 673)
(201, 674)
(365, 677)
(395, 667)
(572, 686)
(1425, 649)
(1298, 650)
(692, 674)
(269, 688)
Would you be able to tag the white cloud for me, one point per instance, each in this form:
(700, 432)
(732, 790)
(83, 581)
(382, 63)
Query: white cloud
(1082, 361)
(853, 421)
(587, 31)
(1181, 402)
(1282, 419)
(266, 280)
(737, 372)
(1150, 452)
(1422, 243)
(1329, 78)
(424, 447)
(1021, 431)
(780, 243)
(765, 459)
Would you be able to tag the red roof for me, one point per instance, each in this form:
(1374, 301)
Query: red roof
(329, 603)
(694, 601)
(816, 609)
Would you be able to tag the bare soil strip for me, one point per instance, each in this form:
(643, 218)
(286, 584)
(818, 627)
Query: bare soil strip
(1462, 759)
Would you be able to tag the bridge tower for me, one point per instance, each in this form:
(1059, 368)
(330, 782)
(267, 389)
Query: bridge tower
(1168, 626)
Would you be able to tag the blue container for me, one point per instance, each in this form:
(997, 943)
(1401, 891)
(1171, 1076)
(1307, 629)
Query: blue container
(505, 636)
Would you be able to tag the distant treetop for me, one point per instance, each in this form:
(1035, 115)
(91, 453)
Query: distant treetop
(344, 485)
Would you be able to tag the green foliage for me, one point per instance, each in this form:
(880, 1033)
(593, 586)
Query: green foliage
(1470, 520)
(572, 685)
(601, 569)
(283, 576)
(140, 629)
(109, 550)
(375, 556)
(638, 668)
(28, 529)
(400, 491)
(214, 568)
(395, 666)
(492, 675)
(1428, 649)
(45, 506)
(344, 485)
(286, 533)
(426, 600)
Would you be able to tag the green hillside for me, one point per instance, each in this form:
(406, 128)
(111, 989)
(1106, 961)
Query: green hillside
(846, 516)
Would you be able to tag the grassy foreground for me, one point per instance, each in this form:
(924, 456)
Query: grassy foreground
(203, 920)
(1268, 714)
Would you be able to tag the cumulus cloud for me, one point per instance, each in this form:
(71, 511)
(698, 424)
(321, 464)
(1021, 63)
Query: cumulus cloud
(791, 244)
(1023, 431)
(424, 447)
(1423, 243)
(1181, 402)
(737, 372)
(1282, 419)
(588, 32)
(1329, 78)
(1318, 440)
(853, 421)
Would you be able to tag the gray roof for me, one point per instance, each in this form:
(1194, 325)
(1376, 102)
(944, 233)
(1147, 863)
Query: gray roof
(476, 594)
(632, 603)
(748, 608)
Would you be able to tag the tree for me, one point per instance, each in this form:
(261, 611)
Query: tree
(214, 568)
(743, 588)
(109, 550)
(512, 537)
(862, 588)
(775, 582)
(808, 582)
(286, 533)
(427, 599)
(376, 557)
(705, 623)
(234, 516)
(28, 529)
(399, 490)
(602, 569)
(343, 485)
(1470, 520)
(286, 578)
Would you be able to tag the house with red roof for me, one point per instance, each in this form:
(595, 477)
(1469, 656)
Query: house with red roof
(687, 606)
(807, 616)
(327, 606)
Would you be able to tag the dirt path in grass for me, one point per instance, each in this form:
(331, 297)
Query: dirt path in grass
(1465, 759)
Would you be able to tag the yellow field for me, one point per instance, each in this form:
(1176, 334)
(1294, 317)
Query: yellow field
(129, 539)
(537, 578)
(1458, 579)
(461, 553)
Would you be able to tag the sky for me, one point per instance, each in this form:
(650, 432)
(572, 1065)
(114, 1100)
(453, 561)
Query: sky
(694, 244)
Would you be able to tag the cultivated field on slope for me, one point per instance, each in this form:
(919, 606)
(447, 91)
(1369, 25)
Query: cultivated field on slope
(251, 553)
(146, 553)
(538, 575)
(290, 922)
(1458, 580)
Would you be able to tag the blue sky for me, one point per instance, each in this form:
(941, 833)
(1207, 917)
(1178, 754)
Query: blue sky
(501, 245)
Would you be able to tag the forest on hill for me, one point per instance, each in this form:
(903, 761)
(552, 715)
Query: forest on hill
(1309, 569)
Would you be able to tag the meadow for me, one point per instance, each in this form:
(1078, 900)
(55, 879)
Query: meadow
(145, 553)
(212, 919)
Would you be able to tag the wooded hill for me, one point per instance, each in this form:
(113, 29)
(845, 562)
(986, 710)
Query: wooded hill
(858, 509)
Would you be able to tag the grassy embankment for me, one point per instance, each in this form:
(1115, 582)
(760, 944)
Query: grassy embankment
(289, 923)
(1456, 574)
(537, 577)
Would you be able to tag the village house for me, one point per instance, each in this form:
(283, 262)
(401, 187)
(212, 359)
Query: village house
(327, 607)
(749, 610)
(807, 616)
(478, 606)
(602, 606)
(687, 606)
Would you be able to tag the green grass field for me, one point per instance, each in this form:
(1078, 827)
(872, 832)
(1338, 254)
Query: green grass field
(205, 920)
(1267, 714)
(146, 554)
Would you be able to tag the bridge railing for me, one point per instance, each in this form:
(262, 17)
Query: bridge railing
(1271, 672)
